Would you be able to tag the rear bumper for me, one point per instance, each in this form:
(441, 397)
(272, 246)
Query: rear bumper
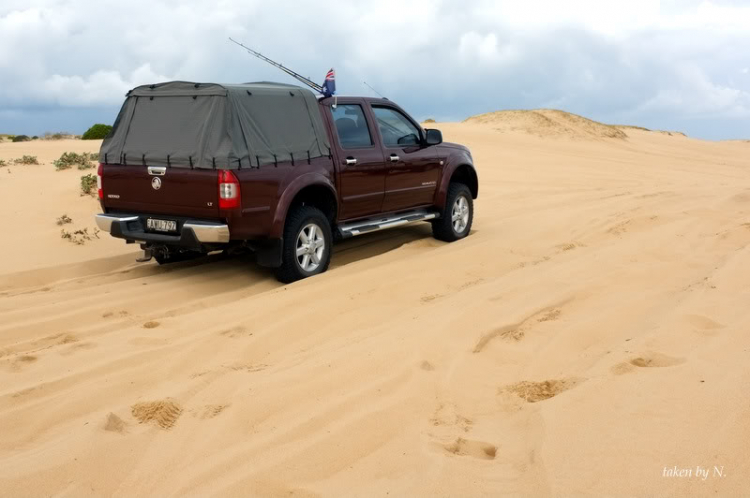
(192, 233)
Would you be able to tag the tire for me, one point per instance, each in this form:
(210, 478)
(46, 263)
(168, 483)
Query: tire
(299, 256)
(446, 228)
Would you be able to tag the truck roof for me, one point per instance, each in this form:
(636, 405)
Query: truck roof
(213, 125)
(189, 88)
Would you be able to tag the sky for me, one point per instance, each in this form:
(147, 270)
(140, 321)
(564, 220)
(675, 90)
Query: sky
(680, 65)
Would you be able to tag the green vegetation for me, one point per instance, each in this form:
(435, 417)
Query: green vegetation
(429, 120)
(88, 184)
(54, 136)
(70, 159)
(97, 132)
(21, 138)
(3, 163)
(26, 160)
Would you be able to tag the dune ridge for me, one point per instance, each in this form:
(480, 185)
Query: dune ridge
(548, 123)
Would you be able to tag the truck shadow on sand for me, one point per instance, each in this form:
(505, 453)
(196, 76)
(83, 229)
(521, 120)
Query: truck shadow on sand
(345, 252)
(377, 243)
(242, 268)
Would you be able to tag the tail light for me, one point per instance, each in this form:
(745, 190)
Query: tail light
(229, 190)
(99, 181)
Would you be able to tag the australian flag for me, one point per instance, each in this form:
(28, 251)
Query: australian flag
(329, 85)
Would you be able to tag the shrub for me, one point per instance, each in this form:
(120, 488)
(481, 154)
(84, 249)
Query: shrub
(64, 219)
(3, 163)
(53, 136)
(70, 159)
(26, 160)
(21, 138)
(97, 132)
(88, 184)
(79, 237)
(35, 137)
(429, 120)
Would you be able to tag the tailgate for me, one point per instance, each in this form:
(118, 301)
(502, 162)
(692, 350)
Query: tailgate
(160, 190)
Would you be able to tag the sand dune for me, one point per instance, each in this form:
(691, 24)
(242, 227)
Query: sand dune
(588, 335)
(548, 123)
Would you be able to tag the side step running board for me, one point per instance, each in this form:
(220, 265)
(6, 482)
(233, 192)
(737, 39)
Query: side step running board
(374, 224)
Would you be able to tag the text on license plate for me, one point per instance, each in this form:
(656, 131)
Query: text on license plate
(161, 225)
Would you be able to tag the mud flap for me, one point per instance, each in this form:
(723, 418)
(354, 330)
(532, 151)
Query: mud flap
(268, 252)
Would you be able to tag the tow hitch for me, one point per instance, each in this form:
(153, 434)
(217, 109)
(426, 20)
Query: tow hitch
(147, 255)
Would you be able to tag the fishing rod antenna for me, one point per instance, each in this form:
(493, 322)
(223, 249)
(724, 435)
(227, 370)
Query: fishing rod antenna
(297, 76)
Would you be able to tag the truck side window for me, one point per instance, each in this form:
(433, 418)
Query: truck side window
(351, 126)
(395, 128)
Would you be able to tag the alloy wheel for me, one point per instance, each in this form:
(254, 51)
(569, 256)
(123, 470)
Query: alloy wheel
(460, 214)
(311, 245)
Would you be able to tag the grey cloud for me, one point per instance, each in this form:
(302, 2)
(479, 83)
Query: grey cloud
(438, 59)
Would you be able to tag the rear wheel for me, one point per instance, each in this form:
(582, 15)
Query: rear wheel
(457, 216)
(307, 244)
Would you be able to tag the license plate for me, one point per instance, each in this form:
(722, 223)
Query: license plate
(161, 225)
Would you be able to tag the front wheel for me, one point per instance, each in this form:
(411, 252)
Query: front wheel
(307, 244)
(457, 216)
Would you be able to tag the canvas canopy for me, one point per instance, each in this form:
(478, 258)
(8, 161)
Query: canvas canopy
(208, 125)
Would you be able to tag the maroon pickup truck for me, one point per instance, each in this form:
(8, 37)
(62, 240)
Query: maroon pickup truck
(191, 168)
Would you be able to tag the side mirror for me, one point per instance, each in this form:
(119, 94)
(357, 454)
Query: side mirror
(433, 137)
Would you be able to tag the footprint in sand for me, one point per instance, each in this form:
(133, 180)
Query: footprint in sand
(237, 331)
(211, 411)
(649, 360)
(25, 350)
(163, 413)
(151, 325)
(533, 392)
(468, 447)
(114, 424)
(517, 331)
(109, 314)
(431, 297)
(22, 361)
(704, 325)
(79, 346)
(246, 367)
(569, 246)
(448, 416)
(426, 366)
(656, 360)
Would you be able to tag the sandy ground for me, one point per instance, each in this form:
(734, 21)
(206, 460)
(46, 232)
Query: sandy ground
(589, 337)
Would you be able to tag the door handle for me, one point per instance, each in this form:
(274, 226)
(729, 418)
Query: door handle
(394, 158)
(350, 161)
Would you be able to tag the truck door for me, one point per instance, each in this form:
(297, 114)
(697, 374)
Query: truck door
(361, 168)
(414, 169)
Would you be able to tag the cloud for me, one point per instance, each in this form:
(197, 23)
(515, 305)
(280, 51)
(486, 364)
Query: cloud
(648, 62)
